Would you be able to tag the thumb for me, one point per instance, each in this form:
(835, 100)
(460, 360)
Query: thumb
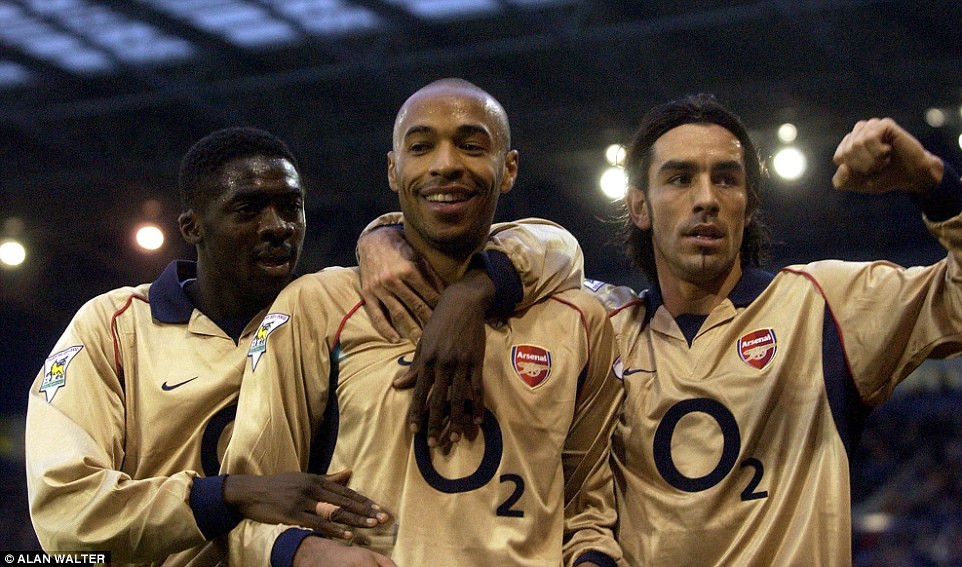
(841, 178)
(406, 380)
(340, 477)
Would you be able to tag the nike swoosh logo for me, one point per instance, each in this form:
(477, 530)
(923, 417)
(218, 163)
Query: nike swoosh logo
(168, 387)
(630, 371)
(403, 362)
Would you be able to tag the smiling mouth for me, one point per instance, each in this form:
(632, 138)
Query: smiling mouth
(447, 197)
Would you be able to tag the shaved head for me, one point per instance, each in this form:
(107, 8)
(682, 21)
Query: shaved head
(459, 88)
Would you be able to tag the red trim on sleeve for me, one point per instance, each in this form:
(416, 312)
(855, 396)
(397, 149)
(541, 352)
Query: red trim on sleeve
(116, 339)
(337, 335)
(626, 306)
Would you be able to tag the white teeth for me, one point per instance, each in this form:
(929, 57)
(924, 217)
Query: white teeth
(444, 198)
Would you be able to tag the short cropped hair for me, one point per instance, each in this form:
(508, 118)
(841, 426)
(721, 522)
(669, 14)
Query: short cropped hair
(695, 109)
(202, 165)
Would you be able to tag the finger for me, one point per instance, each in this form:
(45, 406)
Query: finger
(406, 379)
(402, 321)
(343, 497)
(346, 517)
(415, 304)
(841, 178)
(477, 393)
(375, 311)
(439, 407)
(423, 382)
(844, 147)
(339, 477)
(325, 510)
(328, 528)
(460, 395)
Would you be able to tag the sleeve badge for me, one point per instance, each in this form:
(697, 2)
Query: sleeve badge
(55, 371)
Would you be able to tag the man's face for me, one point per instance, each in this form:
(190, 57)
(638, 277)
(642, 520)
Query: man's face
(449, 166)
(251, 233)
(696, 203)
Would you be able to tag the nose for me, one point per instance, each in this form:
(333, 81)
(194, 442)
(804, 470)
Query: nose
(704, 197)
(274, 226)
(446, 162)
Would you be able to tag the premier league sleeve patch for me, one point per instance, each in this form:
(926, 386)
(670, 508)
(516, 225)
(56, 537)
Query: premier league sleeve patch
(531, 363)
(55, 371)
(271, 322)
(757, 348)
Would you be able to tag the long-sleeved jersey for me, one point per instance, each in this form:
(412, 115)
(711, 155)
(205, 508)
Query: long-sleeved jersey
(133, 408)
(534, 488)
(126, 418)
(733, 446)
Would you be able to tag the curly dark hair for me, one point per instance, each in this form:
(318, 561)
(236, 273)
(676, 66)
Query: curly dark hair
(201, 166)
(695, 109)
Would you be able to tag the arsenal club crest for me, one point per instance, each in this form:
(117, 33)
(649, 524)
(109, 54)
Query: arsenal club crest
(757, 348)
(531, 363)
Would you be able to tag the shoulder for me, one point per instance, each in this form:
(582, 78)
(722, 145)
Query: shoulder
(115, 302)
(586, 304)
(330, 288)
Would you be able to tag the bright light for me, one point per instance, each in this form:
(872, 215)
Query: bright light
(960, 140)
(149, 237)
(935, 117)
(789, 163)
(614, 182)
(615, 154)
(876, 522)
(787, 133)
(12, 253)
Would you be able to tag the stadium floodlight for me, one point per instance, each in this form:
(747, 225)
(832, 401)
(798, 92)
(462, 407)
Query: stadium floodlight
(935, 117)
(787, 133)
(789, 163)
(12, 253)
(614, 182)
(615, 154)
(149, 237)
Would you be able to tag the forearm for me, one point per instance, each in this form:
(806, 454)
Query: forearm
(78, 503)
(546, 257)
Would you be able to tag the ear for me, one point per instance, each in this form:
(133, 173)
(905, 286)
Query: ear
(391, 168)
(637, 206)
(510, 171)
(190, 227)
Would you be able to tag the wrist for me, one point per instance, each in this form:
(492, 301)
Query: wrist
(930, 177)
(475, 290)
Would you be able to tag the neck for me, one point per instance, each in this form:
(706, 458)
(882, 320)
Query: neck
(447, 265)
(220, 299)
(682, 297)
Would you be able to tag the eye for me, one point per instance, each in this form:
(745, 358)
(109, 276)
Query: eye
(246, 208)
(294, 207)
(729, 180)
(681, 179)
(473, 148)
(419, 148)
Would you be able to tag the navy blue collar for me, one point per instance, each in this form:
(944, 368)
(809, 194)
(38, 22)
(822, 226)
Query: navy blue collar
(168, 300)
(752, 283)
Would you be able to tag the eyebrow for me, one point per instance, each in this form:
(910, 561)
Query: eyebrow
(674, 165)
(461, 131)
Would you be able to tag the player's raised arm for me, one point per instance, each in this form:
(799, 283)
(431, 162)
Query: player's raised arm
(879, 156)
(914, 313)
